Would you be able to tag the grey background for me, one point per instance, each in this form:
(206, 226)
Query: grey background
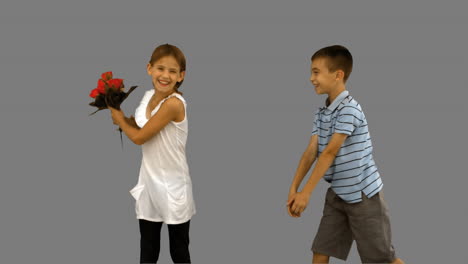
(65, 180)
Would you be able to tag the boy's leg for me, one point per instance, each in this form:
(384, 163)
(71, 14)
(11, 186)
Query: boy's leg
(179, 242)
(334, 237)
(370, 224)
(320, 259)
(150, 239)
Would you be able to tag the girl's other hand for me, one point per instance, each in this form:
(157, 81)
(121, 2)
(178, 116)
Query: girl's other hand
(132, 120)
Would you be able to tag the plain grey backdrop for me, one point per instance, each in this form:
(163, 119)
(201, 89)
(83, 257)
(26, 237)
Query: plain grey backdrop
(65, 179)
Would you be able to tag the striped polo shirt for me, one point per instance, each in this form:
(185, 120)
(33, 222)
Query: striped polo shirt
(353, 171)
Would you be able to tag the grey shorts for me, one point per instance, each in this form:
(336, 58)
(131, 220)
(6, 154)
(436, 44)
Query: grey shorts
(367, 222)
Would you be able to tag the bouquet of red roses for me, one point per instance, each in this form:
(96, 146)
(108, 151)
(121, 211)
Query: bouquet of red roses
(109, 92)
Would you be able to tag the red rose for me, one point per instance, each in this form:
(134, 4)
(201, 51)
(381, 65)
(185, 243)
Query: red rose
(94, 93)
(106, 76)
(116, 84)
(109, 93)
(101, 86)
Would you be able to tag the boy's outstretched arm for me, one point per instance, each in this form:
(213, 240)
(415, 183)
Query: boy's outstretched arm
(307, 159)
(324, 162)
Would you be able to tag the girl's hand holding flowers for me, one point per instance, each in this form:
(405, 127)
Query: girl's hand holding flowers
(117, 116)
(109, 94)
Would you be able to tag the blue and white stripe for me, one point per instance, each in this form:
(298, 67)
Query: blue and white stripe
(353, 171)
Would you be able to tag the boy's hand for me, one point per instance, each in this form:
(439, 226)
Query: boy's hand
(291, 198)
(299, 203)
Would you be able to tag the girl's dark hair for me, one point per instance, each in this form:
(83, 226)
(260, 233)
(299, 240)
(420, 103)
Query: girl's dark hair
(337, 57)
(173, 51)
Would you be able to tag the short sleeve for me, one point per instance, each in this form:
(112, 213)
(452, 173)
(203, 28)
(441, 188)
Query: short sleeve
(314, 125)
(348, 119)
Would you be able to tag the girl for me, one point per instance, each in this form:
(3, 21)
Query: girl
(163, 193)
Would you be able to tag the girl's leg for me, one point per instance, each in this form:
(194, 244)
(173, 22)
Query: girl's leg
(149, 243)
(179, 242)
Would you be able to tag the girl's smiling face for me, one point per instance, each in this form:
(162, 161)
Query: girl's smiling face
(165, 74)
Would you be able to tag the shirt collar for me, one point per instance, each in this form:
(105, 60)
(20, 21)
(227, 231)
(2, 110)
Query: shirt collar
(337, 101)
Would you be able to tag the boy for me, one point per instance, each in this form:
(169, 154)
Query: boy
(354, 204)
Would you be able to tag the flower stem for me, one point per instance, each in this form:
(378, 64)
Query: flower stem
(121, 141)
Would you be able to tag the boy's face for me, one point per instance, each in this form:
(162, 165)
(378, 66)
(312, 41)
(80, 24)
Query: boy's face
(323, 80)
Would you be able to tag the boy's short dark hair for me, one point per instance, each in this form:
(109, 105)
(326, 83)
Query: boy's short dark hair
(338, 58)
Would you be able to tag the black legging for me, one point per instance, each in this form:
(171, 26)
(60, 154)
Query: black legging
(150, 241)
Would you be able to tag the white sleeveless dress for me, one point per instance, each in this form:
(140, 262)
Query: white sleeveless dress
(164, 189)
